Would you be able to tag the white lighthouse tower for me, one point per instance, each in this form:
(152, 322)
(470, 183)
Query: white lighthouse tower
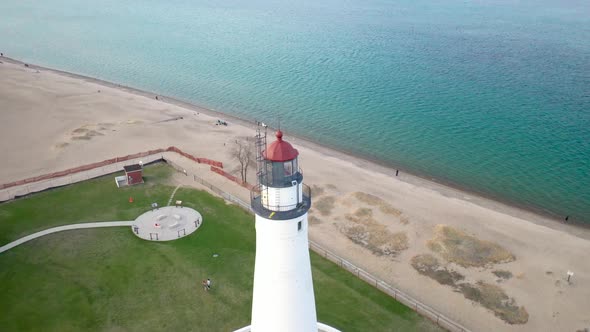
(283, 298)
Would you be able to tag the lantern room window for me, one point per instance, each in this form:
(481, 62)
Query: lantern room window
(280, 174)
(288, 166)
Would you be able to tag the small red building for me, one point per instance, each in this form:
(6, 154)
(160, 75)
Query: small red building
(133, 174)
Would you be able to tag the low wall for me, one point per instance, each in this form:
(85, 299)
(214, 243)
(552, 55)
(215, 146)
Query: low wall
(103, 163)
(231, 177)
(211, 162)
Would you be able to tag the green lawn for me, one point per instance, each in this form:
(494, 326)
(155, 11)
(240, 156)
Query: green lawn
(109, 280)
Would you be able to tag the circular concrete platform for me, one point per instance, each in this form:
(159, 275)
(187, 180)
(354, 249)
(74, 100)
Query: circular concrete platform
(167, 223)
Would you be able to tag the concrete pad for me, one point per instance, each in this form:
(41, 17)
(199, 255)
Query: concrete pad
(167, 223)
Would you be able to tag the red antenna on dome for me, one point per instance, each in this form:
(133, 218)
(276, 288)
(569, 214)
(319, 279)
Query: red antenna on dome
(279, 118)
(279, 133)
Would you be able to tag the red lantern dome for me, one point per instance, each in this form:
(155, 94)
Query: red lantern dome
(280, 150)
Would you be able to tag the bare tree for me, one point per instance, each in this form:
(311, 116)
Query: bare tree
(243, 153)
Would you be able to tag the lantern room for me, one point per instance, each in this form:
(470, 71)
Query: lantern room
(280, 185)
(280, 164)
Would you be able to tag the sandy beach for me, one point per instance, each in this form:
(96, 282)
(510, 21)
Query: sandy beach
(453, 250)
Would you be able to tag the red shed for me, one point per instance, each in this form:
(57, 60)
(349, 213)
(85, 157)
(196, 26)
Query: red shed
(133, 174)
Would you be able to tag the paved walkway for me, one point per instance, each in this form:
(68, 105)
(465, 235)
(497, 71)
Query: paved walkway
(173, 193)
(64, 228)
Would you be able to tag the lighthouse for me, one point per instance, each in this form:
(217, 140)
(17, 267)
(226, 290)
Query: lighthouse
(283, 297)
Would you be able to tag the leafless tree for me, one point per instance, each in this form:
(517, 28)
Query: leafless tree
(243, 152)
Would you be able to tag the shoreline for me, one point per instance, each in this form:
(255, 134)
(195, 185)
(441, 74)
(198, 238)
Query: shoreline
(444, 187)
(57, 120)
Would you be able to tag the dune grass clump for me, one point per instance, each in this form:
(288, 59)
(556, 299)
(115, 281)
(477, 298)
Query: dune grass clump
(429, 266)
(494, 298)
(313, 220)
(367, 232)
(373, 200)
(317, 190)
(331, 186)
(381, 243)
(325, 205)
(363, 213)
(489, 296)
(466, 250)
(502, 274)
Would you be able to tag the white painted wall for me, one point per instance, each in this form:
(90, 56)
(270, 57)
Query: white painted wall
(286, 198)
(283, 288)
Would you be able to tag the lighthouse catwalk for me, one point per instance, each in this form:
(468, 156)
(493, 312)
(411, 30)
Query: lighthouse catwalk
(283, 297)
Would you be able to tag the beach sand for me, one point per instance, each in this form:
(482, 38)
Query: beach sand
(51, 121)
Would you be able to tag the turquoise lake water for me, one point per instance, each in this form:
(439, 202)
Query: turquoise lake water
(488, 95)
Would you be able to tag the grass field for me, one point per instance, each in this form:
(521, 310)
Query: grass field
(109, 280)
